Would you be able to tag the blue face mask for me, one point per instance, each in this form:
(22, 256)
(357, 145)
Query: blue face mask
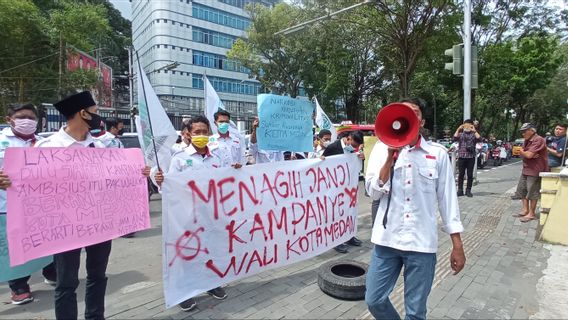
(223, 127)
(349, 148)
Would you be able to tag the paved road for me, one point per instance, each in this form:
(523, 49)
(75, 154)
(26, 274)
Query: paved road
(500, 279)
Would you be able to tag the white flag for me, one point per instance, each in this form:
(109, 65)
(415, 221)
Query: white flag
(158, 133)
(323, 122)
(212, 103)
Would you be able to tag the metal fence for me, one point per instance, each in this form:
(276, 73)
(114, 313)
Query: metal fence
(54, 120)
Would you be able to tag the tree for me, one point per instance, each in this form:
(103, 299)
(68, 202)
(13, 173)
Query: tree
(35, 35)
(403, 28)
(513, 72)
(278, 62)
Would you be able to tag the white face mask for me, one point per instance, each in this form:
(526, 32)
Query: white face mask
(325, 144)
(25, 127)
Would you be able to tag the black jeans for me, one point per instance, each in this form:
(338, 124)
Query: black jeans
(67, 265)
(463, 165)
(20, 285)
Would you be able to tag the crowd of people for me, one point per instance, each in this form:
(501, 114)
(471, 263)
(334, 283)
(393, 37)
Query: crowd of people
(408, 186)
(538, 155)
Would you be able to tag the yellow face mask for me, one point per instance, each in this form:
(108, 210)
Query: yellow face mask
(200, 141)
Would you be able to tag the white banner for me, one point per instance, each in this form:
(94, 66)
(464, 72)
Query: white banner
(154, 125)
(226, 224)
(323, 122)
(212, 103)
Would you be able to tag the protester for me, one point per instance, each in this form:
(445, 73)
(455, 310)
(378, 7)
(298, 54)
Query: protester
(322, 142)
(197, 156)
(81, 113)
(348, 144)
(114, 129)
(21, 133)
(407, 234)
(535, 161)
(97, 131)
(557, 146)
(259, 155)
(467, 137)
(232, 143)
(183, 142)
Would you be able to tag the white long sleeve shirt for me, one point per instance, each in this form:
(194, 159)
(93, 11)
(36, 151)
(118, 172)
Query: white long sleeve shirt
(232, 144)
(423, 182)
(189, 159)
(9, 139)
(110, 140)
(264, 156)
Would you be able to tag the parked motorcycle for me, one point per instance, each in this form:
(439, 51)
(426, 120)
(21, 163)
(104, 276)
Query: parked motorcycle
(496, 156)
(481, 154)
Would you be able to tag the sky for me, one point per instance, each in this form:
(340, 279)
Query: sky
(124, 6)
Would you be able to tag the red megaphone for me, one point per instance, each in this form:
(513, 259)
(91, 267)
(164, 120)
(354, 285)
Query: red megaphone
(397, 125)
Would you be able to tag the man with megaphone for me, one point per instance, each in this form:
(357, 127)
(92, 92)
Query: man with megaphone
(412, 178)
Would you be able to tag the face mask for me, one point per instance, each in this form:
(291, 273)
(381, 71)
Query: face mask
(223, 127)
(325, 144)
(120, 132)
(200, 141)
(348, 148)
(25, 127)
(95, 121)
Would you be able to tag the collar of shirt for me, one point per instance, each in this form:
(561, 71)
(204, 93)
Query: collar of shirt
(9, 133)
(191, 151)
(68, 140)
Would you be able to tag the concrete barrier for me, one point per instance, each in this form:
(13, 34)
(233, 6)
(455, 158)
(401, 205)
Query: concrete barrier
(554, 207)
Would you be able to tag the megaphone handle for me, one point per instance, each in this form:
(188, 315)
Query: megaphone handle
(385, 220)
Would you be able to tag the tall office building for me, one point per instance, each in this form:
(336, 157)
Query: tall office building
(178, 41)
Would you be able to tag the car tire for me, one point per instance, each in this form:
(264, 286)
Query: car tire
(343, 279)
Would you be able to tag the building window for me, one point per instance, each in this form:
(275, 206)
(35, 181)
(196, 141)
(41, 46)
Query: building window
(227, 85)
(215, 61)
(213, 38)
(219, 17)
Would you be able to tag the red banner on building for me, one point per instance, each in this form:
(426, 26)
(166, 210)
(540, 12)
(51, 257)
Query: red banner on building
(102, 91)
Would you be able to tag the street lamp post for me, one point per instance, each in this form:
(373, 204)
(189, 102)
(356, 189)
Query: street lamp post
(130, 88)
(467, 60)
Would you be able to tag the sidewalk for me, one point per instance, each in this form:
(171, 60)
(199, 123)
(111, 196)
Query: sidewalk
(500, 280)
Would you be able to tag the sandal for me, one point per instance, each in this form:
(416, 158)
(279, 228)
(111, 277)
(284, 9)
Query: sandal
(518, 215)
(527, 219)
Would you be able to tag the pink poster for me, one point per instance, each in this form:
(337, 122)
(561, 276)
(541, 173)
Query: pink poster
(68, 198)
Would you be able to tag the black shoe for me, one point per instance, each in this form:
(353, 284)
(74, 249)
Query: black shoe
(355, 242)
(188, 304)
(460, 193)
(469, 194)
(218, 293)
(128, 235)
(342, 248)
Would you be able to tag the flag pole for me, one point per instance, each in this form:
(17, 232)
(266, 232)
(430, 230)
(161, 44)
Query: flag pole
(140, 78)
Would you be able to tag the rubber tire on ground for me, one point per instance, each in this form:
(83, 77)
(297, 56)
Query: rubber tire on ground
(343, 279)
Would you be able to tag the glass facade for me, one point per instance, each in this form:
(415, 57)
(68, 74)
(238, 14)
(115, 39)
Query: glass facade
(220, 17)
(211, 60)
(227, 85)
(213, 38)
